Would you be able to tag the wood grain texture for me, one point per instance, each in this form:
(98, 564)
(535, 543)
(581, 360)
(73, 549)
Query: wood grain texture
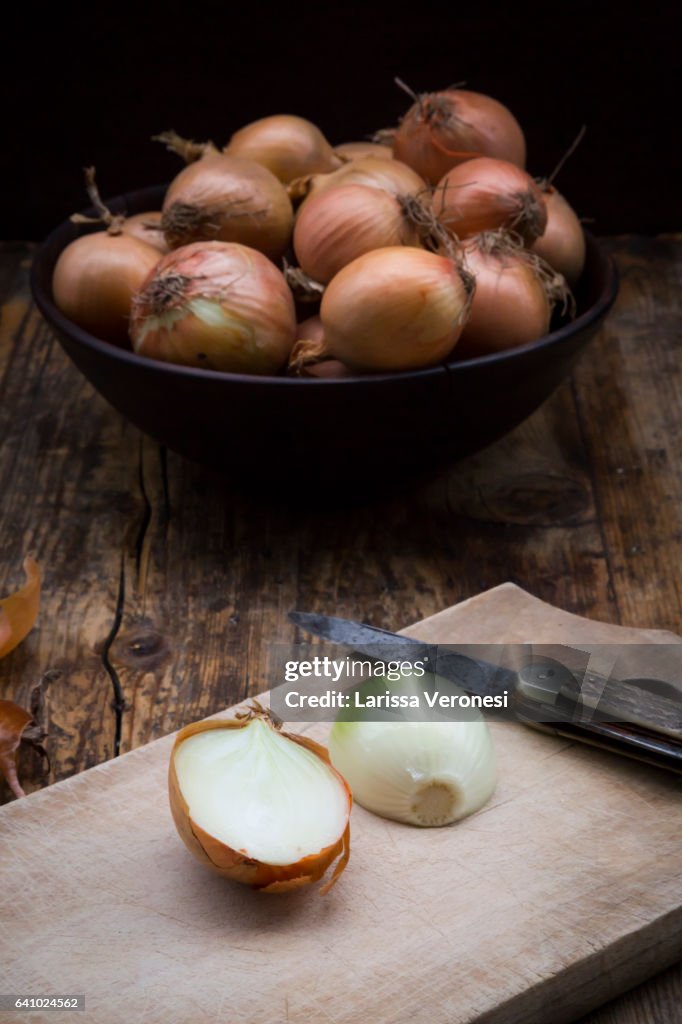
(559, 893)
(161, 580)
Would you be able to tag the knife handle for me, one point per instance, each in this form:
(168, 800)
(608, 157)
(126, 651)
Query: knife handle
(618, 739)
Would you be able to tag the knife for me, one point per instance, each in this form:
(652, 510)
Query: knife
(640, 718)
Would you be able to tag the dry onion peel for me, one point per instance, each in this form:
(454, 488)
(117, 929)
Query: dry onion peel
(19, 611)
(258, 805)
(486, 194)
(16, 724)
(216, 305)
(443, 129)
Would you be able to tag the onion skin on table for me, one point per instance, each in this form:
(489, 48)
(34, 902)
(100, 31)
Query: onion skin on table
(236, 864)
(19, 611)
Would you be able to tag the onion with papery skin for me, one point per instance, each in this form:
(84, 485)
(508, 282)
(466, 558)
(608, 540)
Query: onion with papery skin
(257, 805)
(487, 194)
(562, 243)
(377, 172)
(443, 129)
(420, 773)
(513, 300)
(335, 227)
(95, 279)
(216, 305)
(287, 145)
(308, 356)
(228, 199)
(397, 308)
(357, 150)
(147, 228)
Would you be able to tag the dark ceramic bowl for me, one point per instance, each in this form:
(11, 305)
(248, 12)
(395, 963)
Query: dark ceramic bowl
(386, 428)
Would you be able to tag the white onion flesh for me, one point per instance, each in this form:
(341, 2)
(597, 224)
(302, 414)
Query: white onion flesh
(259, 793)
(422, 773)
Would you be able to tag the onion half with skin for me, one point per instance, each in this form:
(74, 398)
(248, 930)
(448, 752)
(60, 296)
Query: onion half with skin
(421, 773)
(287, 145)
(487, 194)
(228, 199)
(443, 129)
(257, 805)
(215, 305)
(398, 308)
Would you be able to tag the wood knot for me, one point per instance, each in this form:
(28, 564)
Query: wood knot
(141, 649)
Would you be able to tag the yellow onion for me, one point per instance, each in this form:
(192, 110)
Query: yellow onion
(443, 129)
(487, 194)
(288, 146)
(375, 171)
(562, 244)
(513, 300)
(146, 227)
(335, 227)
(96, 277)
(308, 356)
(228, 199)
(216, 305)
(257, 805)
(357, 150)
(397, 308)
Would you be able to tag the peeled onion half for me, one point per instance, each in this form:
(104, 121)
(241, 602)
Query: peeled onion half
(258, 805)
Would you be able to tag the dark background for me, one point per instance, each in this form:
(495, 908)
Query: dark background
(93, 87)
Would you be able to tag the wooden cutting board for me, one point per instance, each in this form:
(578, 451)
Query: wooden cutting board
(562, 892)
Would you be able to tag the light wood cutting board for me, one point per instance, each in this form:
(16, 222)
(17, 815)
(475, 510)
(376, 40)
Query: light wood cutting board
(564, 891)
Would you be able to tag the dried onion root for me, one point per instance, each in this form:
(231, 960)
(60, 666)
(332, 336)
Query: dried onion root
(258, 805)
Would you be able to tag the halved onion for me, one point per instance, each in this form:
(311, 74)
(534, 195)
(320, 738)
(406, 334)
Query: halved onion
(287, 145)
(443, 129)
(228, 199)
(258, 805)
(216, 305)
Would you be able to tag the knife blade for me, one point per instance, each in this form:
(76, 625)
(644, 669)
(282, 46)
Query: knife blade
(640, 718)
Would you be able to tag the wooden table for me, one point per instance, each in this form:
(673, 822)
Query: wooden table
(161, 581)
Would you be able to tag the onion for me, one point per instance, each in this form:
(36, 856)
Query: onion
(356, 150)
(377, 172)
(147, 228)
(512, 303)
(227, 199)
(288, 146)
(308, 357)
(95, 279)
(216, 305)
(563, 243)
(486, 194)
(397, 308)
(257, 805)
(443, 129)
(335, 227)
(421, 773)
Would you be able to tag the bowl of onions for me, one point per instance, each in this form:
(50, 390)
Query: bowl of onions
(368, 312)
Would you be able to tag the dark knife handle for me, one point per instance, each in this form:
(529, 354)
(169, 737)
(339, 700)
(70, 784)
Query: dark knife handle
(618, 739)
